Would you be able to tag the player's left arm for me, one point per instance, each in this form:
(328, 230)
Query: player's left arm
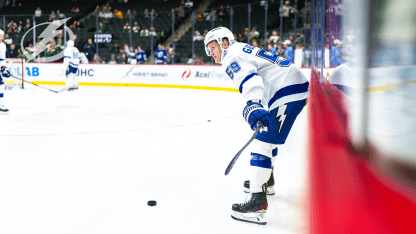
(250, 83)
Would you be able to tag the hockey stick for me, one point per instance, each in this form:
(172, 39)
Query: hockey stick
(230, 166)
(34, 84)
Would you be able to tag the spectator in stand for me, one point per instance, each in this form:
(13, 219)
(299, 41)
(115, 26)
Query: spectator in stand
(153, 12)
(97, 10)
(89, 50)
(60, 45)
(102, 13)
(28, 25)
(118, 14)
(75, 10)
(146, 13)
(134, 14)
(101, 27)
(274, 38)
(120, 56)
(115, 48)
(30, 48)
(152, 31)
(136, 27)
(144, 32)
(53, 15)
(79, 25)
(299, 38)
(292, 40)
(254, 33)
(288, 51)
(254, 43)
(49, 51)
(11, 27)
(38, 12)
(8, 40)
(335, 58)
(126, 28)
(131, 56)
(128, 14)
(197, 36)
(189, 6)
(126, 49)
(180, 10)
(240, 38)
(171, 58)
(140, 55)
(222, 13)
(60, 15)
(12, 52)
(271, 49)
(284, 12)
(97, 59)
(113, 59)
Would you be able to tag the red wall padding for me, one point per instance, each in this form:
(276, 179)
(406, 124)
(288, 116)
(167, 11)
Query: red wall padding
(347, 194)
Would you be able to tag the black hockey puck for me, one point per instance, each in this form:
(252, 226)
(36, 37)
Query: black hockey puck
(209, 120)
(151, 203)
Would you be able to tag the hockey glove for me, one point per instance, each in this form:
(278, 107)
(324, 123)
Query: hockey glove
(4, 72)
(254, 112)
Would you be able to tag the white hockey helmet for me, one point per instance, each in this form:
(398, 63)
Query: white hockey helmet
(217, 34)
(70, 43)
(1, 32)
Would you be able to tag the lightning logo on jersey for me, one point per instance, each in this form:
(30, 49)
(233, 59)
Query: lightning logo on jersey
(281, 116)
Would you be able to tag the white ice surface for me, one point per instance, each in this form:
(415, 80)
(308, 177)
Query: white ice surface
(88, 162)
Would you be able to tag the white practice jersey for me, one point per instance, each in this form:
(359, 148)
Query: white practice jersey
(71, 57)
(260, 75)
(2, 54)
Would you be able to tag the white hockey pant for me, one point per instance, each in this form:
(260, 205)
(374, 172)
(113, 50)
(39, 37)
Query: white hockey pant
(263, 156)
(71, 80)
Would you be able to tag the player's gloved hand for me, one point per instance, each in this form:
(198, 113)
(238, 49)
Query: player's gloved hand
(254, 112)
(4, 72)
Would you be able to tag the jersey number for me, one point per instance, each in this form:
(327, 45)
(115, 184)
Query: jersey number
(75, 54)
(233, 68)
(273, 58)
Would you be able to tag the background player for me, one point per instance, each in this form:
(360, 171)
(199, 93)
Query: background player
(71, 63)
(263, 79)
(161, 55)
(4, 73)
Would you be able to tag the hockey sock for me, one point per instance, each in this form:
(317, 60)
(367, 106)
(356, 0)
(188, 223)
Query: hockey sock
(261, 168)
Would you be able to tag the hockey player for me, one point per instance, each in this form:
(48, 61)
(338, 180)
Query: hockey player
(4, 73)
(140, 55)
(275, 91)
(71, 63)
(161, 55)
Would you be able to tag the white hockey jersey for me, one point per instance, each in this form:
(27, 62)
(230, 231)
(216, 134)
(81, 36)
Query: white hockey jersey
(260, 75)
(2, 54)
(71, 57)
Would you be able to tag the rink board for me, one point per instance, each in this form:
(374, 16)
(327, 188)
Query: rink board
(161, 76)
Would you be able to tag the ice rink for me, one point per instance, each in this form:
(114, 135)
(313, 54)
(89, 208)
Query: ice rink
(88, 161)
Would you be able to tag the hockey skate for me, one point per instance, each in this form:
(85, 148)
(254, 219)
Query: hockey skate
(253, 209)
(270, 185)
(3, 111)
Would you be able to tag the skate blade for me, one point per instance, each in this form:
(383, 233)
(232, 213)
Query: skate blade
(257, 218)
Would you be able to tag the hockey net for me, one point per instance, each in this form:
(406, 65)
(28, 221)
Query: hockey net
(16, 68)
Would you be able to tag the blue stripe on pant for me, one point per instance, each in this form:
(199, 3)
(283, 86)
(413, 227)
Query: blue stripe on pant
(71, 70)
(1, 80)
(277, 135)
(259, 160)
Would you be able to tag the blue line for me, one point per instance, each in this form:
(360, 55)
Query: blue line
(289, 90)
(245, 80)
